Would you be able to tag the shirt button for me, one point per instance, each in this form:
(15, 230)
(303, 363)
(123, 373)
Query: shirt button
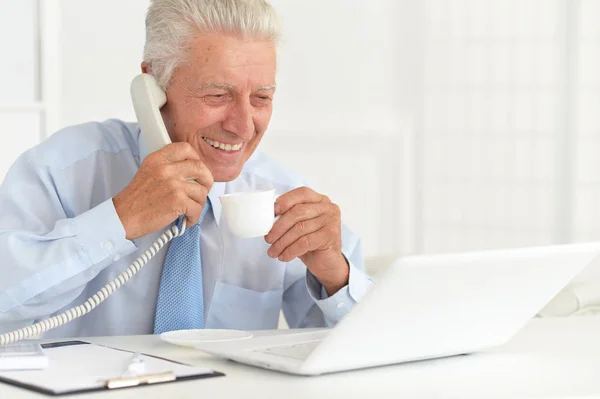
(340, 305)
(108, 245)
(116, 258)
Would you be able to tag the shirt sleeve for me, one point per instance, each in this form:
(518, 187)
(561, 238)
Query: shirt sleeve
(338, 305)
(47, 257)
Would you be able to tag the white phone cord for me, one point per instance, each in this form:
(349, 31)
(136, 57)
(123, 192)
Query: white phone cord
(100, 296)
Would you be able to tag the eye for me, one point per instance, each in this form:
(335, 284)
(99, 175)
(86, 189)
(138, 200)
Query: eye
(263, 98)
(217, 98)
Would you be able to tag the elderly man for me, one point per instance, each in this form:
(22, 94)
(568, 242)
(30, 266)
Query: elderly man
(79, 208)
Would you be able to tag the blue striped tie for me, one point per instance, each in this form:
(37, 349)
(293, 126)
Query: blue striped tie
(180, 304)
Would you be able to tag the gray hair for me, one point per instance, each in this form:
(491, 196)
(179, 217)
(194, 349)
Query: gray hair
(170, 24)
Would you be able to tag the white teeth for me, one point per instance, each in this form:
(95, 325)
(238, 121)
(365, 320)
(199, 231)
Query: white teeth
(222, 146)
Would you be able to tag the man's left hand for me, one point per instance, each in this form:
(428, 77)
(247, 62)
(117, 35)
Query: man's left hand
(310, 227)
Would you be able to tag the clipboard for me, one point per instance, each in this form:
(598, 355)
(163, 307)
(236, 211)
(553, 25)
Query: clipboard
(79, 367)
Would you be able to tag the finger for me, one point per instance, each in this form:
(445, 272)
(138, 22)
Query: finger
(187, 171)
(193, 211)
(302, 228)
(196, 192)
(303, 245)
(174, 152)
(194, 201)
(297, 196)
(297, 213)
(193, 169)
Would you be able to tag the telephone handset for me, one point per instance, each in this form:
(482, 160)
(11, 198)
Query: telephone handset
(147, 98)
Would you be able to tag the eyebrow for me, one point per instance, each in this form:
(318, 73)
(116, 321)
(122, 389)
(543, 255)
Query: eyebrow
(225, 86)
(267, 87)
(216, 85)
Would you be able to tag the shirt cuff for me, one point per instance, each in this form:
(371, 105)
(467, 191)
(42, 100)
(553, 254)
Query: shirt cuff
(335, 307)
(101, 233)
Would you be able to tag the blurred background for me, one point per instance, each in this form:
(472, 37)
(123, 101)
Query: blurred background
(437, 125)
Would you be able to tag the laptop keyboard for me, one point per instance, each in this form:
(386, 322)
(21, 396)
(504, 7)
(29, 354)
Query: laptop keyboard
(298, 351)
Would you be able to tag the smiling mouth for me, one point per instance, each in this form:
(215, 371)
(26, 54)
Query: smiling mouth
(222, 146)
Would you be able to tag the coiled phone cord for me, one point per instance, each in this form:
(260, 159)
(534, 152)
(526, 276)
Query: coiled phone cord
(100, 296)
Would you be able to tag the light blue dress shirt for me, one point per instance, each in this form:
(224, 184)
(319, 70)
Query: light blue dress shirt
(61, 241)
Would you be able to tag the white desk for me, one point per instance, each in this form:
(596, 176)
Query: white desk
(550, 358)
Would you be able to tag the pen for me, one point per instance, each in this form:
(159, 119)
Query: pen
(123, 382)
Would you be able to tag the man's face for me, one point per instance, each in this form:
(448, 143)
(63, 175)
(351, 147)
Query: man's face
(222, 97)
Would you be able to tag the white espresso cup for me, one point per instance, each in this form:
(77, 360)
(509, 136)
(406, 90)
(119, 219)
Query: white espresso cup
(249, 214)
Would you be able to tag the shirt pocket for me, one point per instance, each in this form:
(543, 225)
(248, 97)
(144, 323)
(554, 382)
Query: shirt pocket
(238, 308)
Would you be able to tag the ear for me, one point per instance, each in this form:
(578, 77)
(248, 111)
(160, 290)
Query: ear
(145, 67)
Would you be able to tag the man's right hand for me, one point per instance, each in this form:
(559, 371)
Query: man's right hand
(163, 189)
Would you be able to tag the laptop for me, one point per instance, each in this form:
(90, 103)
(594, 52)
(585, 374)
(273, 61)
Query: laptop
(424, 307)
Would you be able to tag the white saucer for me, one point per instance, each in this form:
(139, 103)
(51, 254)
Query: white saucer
(190, 338)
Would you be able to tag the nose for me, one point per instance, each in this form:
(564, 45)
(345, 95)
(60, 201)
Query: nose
(240, 120)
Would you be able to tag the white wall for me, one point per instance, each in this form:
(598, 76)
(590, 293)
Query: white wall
(511, 124)
(20, 108)
(101, 45)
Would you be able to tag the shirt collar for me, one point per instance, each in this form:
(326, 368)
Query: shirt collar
(217, 190)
